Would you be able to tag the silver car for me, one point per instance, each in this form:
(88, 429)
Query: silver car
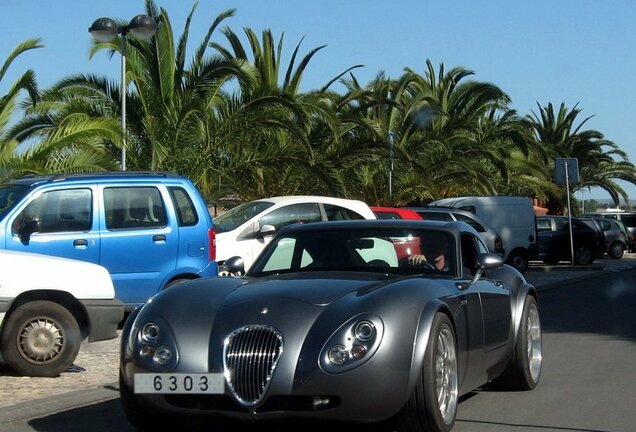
(361, 321)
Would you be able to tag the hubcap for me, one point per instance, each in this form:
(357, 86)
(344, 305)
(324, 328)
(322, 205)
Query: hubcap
(446, 371)
(533, 331)
(583, 255)
(41, 341)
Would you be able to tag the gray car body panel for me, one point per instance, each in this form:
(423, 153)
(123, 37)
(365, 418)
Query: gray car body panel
(307, 308)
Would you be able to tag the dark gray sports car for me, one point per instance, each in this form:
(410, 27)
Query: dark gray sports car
(360, 321)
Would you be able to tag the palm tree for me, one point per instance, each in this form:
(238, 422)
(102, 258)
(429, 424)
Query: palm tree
(601, 162)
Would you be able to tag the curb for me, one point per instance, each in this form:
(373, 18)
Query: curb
(47, 406)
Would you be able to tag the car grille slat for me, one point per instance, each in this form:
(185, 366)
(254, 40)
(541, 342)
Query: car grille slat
(251, 354)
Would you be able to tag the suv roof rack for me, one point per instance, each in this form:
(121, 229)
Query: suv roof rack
(65, 176)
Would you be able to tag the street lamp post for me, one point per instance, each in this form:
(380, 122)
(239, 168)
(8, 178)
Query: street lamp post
(105, 30)
(391, 140)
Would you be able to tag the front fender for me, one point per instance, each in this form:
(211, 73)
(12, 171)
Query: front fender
(420, 344)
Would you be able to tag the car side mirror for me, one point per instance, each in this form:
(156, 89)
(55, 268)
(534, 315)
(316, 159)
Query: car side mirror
(267, 230)
(487, 261)
(234, 266)
(26, 227)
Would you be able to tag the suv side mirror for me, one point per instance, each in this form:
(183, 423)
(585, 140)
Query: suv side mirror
(234, 266)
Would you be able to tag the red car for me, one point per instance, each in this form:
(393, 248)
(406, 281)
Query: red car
(394, 213)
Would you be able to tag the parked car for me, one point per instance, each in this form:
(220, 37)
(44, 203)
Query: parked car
(150, 230)
(628, 219)
(487, 233)
(616, 237)
(246, 229)
(318, 317)
(48, 305)
(512, 217)
(394, 213)
(554, 240)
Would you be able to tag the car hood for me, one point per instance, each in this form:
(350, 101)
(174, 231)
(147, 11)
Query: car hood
(316, 289)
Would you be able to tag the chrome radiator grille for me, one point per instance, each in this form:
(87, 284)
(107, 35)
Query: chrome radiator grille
(251, 354)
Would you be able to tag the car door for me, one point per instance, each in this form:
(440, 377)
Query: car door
(139, 239)
(60, 222)
(495, 298)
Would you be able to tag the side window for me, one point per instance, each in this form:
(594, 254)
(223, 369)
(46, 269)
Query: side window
(59, 211)
(186, 212)
(294, 213)
(629, 220)
(544, 225)
(470, 221)
(134, 208)
(561, 224)
(469, 255)
(438, 216)
(387, 215)
(605, 225)
(335, 213)
(281, 258)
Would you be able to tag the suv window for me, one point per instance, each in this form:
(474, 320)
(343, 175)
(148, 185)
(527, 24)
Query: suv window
(134, 208)
(186, 213)
(387, 215)
(9, 195)
(59, 211)
(294, 213)
(470, 221)
(335, 213)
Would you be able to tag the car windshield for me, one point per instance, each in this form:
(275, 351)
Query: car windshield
(384, 250)
(236, 217)
(9, 195)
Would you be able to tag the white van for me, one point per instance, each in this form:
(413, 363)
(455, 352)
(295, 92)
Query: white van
(512, 216)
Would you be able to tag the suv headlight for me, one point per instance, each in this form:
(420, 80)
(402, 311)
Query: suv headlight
(352, 344)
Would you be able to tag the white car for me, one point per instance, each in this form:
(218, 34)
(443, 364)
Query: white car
(48, 305)
(245, 230)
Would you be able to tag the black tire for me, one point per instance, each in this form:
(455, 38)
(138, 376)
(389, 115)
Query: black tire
(40, 338)
(176, 282)
(141, 416)
(518, 259)
(616, 250)
(583, 255)
(524, 370)
(423, 412)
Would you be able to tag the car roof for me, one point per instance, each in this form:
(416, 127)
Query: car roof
(33, 180)
(454, 227)
(303, 198)
(402, 211)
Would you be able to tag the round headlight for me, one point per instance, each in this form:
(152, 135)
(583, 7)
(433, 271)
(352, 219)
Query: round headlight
(338, 354)
(150, 333)
(364, 331)
(163, 355)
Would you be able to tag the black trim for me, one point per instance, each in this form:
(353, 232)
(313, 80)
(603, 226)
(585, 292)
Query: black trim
(103, 318)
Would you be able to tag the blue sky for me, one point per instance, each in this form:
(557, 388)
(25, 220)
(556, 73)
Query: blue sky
(572, 51)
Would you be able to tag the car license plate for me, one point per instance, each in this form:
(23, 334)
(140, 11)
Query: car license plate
(179, 383)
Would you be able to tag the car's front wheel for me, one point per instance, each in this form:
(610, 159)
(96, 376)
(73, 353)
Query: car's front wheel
(40, 338)
(524, 370)
(433, 404)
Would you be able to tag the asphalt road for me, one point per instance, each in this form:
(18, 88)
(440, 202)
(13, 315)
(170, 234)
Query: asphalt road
(588, 382)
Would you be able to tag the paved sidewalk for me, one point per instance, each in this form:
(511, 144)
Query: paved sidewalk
(94, 376)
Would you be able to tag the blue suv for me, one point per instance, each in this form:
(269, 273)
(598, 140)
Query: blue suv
(150, 230)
